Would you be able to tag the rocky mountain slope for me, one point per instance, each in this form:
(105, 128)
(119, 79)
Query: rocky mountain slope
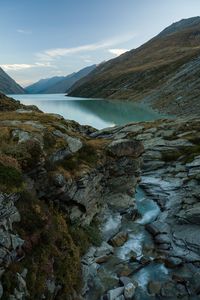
(8, 85)
(60, 84)
(163, 72)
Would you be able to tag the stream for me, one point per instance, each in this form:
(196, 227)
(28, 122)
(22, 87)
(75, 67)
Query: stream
(126, 259)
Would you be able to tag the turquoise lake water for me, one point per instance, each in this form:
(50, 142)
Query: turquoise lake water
(98, 113)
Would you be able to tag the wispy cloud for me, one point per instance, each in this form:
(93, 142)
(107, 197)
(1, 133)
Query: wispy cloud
(18, 67)
(51, 54)
(117, 52)
(24, 31)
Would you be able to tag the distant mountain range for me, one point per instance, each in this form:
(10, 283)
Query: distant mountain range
(58, 84)
(8, 85)
(164, 72)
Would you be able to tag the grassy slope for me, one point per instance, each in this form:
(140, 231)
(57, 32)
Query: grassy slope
(142, 72)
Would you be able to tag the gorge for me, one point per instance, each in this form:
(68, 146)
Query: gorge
(115, 209)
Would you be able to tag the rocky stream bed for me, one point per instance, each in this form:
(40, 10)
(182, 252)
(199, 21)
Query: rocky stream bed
(151, 249)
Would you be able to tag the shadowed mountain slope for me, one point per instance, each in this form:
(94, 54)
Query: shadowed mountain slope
(8, 85)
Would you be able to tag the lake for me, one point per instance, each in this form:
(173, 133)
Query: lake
(98, 113)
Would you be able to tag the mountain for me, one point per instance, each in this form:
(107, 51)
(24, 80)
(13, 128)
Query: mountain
(164, 72)
(8, 85)
(43, 84)
(58, 84)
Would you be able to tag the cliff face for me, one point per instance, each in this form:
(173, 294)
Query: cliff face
(8, 85)
(164, 72)
(170, 176)
(54, 180)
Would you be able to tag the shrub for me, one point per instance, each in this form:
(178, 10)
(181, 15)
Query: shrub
(11, 179)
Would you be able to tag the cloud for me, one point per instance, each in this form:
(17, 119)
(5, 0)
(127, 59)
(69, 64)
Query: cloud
(117, 52)
(88, 60)
(51, 54)
(24, 31)
(18, 67)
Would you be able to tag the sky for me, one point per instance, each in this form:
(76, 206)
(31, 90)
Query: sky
(45, 38)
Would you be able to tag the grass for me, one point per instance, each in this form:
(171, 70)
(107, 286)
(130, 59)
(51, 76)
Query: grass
(87, 156)
(49, 250)
(11, 179)
(52, 248)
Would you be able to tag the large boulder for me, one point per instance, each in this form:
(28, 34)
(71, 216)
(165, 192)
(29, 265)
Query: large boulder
(126, 147)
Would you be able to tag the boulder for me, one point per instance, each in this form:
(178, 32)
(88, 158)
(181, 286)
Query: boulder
(124, 280)
(126, 147)
(119, 239)
(113, 294)
(104, 249)
(173, 262)
(129, 291)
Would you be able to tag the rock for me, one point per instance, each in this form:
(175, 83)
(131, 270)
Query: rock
(173, 262)
(133, 256)
(145, 260)
(113, 294)
(168, 290)
(162, 239)
(196, 282)
(58, 180)
(60, 155)
(129, 291)
(123, 280)
(16, 241)
(119, 201)
(164, 246)
(102, 259)
(51, 286)
(1, 290)
(104, 249)
(5, 239)
(119, 239)
(74, 144)
(154, 287)
(120, 298)
(157, 227)
(125, 271)
(191, 215)
(21, 135)
(125, 147)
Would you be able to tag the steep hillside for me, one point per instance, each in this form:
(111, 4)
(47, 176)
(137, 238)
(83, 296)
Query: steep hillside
(61, 84)
(8, 85)
(54, 180)
(164, 72)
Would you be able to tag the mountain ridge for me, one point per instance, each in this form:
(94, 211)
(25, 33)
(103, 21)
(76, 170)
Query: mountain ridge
(58, 84)
(143, 74)
(9, 85)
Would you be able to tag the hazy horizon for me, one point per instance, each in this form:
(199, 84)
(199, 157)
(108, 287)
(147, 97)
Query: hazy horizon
(42, 39)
